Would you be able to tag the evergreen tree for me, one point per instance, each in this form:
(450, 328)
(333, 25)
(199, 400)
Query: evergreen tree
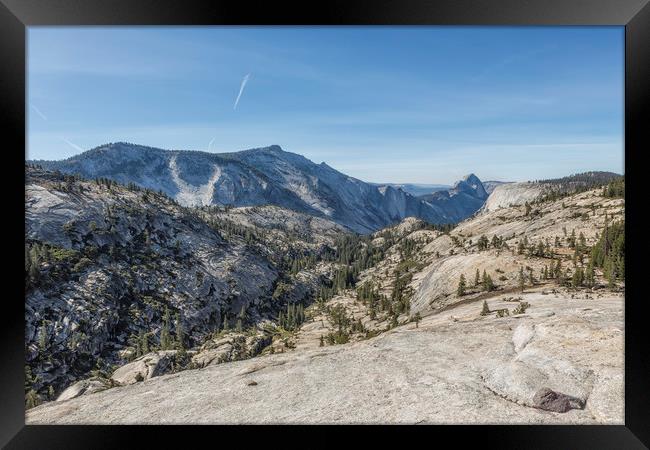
(165, 337)
(180, 333)
(558, 270)
(609, 252)
(522, 279)
(417, 318)
(578, 277)
(477, 279)
(590, 275)
(143, 344)
(488, 284)
(461, 286)
(43, 337)
(485, 310)
(520, 248)
(32, 399)
(572, 239)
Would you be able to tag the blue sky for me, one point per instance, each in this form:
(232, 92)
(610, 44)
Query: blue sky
(383, 104)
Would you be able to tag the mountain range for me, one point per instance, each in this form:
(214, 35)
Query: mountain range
(272, 176)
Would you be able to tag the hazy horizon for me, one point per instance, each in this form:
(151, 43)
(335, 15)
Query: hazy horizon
(417, 105)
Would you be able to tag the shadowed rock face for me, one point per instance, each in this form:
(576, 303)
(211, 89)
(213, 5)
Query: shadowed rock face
(111, 259)
(271, 176)
(462, 200)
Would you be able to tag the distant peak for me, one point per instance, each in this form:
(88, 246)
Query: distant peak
(270, 149)
(471, 178)
(471, 184)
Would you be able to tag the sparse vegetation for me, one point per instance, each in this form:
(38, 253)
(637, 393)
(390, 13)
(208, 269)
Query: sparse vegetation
(460, 291)
(521, 308)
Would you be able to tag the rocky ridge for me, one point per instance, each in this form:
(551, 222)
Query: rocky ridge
(268, 176)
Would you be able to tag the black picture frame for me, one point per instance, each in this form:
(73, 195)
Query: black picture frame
(16, 15)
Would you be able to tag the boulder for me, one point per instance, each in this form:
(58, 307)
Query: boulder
(145, 367)
(550, 400)
(84, 387)
(231, 347)
(212, 356)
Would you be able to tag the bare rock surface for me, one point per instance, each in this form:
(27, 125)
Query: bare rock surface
(83, 387)
(456, 367)
(230, 347)
(145, 367)
(511, 194)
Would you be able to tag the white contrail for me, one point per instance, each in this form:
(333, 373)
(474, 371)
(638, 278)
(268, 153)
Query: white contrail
(38, 111)
(210, 144)
(241, 89)
(75, 146)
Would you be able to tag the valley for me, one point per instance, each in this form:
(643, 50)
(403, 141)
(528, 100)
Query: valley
(361, 304)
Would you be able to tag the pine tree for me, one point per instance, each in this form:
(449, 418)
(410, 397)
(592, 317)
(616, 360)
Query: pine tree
(477, 279)
(577, 278)
(180, 333)
(485, 310)
(42, 337)
(590, 275)
(165, 337)
(572, 239)
(522, 279)
(558, 269)
(143, 344)
(417, 318)
(461, 286)
(32, 399)
(488, 284)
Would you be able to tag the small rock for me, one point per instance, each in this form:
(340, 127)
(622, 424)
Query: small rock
(252, 383)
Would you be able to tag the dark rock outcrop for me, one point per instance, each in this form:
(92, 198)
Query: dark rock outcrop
(549, 400)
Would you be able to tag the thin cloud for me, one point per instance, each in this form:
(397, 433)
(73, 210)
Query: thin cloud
(38, 111)
(71, 144)
(241, 89)
(514, 58)
(210, 144)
